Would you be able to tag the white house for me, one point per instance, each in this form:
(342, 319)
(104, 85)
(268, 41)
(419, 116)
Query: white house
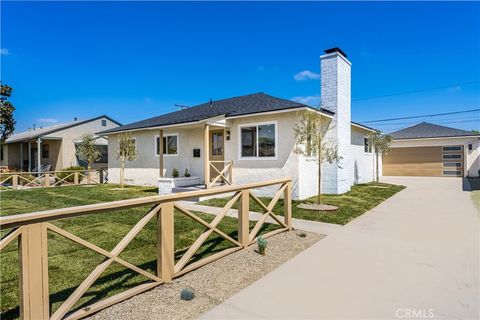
(254, 133)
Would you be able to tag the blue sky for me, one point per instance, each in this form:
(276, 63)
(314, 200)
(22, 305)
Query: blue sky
(133, 60)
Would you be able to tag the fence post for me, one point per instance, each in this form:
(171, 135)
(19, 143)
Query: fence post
(47, 180)
(75, 178)
(15, 181)
(100, 172)
(243, 219)
(34, 272)
(165, 242)
(287, 205)
(230, 173)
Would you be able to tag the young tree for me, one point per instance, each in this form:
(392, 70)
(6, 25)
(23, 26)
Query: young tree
(7, 123)
(380, 144)
(87, 150)
(310, 142)
(126, 152)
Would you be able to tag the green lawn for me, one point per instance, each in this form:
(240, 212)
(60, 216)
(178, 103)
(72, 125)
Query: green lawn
(352, 204)
(70, 263)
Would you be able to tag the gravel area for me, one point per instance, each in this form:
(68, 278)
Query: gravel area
(212, 283)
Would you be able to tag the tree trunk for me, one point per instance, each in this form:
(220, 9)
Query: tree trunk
(122, 173)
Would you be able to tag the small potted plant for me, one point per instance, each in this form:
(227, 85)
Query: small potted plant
(175, 173)
(186, 174)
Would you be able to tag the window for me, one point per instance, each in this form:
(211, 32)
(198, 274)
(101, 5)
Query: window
(45, 151)
(453, 148)
(104, 123)
(452, 172)
(170, 144)
(104, 154)
(258, 141)
(452, 164)
(367, 148)
(217, 143)
(452, 156)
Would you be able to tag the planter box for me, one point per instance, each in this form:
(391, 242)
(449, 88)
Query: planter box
(165, 185)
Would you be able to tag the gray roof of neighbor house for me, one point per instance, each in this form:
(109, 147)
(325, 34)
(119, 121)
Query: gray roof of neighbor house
(40, 132)
(236, 106)
(429, 130)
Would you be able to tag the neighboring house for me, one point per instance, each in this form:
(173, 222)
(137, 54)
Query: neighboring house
(57, 145)
(428, 149)
(254, 131)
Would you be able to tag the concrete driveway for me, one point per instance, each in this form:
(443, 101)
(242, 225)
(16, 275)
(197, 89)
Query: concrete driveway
(416, 256)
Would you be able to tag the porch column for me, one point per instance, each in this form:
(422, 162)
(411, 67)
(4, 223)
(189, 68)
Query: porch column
(160, 153)
(21, 156)
(206, 151)
(39, 154)
(29, 156)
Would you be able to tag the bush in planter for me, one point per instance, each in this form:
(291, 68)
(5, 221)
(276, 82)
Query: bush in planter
(175, 173)
(186, 174)
(262, 245)
(69, 170)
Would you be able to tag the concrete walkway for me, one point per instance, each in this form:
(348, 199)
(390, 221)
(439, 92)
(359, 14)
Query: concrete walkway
(414, 256)
(311, 226)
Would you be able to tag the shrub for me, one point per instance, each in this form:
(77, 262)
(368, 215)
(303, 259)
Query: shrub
(175, 173)
(187, 294)
(186, 174)
(262, 245)
(70, 179)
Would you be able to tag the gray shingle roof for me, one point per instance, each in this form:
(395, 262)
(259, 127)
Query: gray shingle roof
(429, 130)
(40, 132)
(236, 106)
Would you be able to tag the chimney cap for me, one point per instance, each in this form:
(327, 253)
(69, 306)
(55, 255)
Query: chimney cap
(336, 49)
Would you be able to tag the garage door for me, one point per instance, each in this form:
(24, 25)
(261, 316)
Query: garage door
(438, 161)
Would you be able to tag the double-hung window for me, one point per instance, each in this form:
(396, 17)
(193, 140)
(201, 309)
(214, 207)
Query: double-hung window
(170, 144)
(258, 141)
(367, 148)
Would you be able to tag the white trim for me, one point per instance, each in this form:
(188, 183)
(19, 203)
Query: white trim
(166, 154)
(257, 157)
(294, 109)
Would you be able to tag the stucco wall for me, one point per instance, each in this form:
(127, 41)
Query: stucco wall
(67, 149)
(363, 164)
(144, 170)
(472, 161)
(252, 170)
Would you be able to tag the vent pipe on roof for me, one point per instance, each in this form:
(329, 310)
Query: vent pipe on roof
(33, 127)
(75, 119)
(211, 102)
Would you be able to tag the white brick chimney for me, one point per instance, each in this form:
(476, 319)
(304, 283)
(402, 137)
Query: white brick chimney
(336, 97)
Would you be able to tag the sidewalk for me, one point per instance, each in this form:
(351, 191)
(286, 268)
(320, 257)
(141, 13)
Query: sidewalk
(416, 252)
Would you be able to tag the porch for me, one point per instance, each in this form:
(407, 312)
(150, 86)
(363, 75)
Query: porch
(217, 171)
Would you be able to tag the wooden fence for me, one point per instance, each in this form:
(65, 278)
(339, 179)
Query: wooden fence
(225, 175)
(15, 180)
(31, 231)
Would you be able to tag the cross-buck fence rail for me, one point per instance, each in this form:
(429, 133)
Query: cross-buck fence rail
(225, 175)
(31, 231)
(17, 180)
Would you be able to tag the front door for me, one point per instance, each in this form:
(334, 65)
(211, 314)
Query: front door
(217, 151)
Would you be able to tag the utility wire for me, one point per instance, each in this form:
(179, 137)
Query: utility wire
(422, 116)
(416, 91)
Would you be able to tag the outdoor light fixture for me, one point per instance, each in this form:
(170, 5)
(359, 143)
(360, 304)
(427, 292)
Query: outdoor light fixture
(228, 134)
(470, 147)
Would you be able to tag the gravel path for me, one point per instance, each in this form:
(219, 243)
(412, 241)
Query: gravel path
(212, 283)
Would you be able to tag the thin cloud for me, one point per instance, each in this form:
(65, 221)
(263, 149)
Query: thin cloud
(4, 52)
(313, 101)
(306, 75)
(47, 120)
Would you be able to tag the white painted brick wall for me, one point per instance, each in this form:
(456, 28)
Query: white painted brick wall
(336, 96)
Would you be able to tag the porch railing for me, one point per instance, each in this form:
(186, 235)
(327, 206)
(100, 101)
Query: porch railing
(15, 180)
(31, 230)
(226, 174)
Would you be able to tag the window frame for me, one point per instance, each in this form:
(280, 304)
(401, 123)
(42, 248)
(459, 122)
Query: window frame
(45, 148)
(455, 150)
(156, 151)
(458, 173)
(368, 145)
(103, 122)
(452, 154)
(256, 124)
